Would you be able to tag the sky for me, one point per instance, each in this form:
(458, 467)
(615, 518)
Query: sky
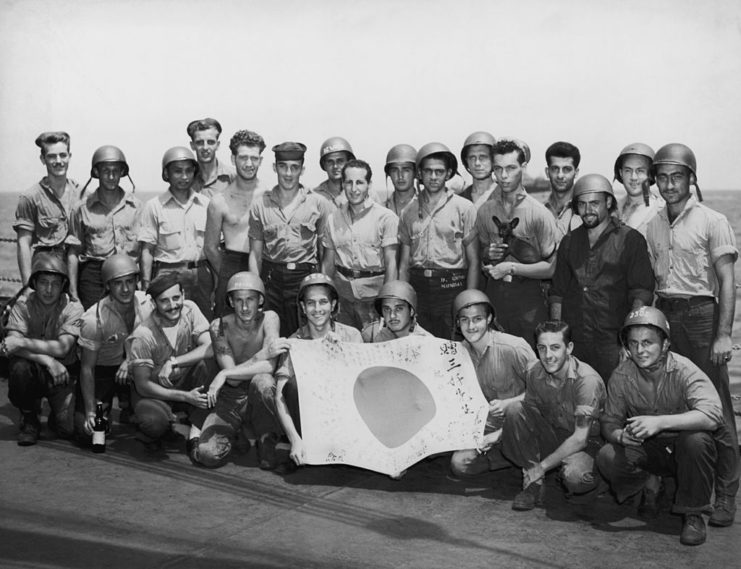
(598, 74)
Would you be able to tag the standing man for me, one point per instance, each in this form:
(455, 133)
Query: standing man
(556, 425)
(397, 305)
(501, 362)
(633, 171)
(243, 392)
(514, 287)
(285, 223)
(43, 212)
(660, 418)
(438, 257)
(360, 243)
(562, 167)
(103, 224)
(212, 176)
(333, 156)
(41, 334)
(167, 353)
(477, 159)
(172, 230)
(603, 271)
(401, 168)
(104, 369)
(694, 252)
(229, 211)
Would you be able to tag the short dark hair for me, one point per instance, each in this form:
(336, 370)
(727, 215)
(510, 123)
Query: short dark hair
(553, 326)
(48, 138)
(203, 124)
(563, 149)
(506, 146)
(246, 138)
(355, 163)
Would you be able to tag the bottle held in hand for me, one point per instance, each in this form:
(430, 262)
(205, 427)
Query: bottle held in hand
(99, 429)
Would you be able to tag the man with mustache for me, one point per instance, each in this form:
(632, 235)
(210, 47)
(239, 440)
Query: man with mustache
(167, 353)
(603, 271)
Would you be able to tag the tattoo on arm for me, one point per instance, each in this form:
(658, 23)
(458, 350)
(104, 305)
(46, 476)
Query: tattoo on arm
(583, 421)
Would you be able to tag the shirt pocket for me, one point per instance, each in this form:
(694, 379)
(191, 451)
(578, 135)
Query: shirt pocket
(52, 225)
(169, 236)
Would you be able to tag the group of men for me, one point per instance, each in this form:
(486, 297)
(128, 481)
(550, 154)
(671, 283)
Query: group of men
(190, 298)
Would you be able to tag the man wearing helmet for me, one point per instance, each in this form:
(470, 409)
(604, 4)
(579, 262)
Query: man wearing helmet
(43, 211)
(334, 154)
(400, 167)
(212, 176)
(602, 272)
(168, 357)
(476, 157)
(172, 231)
(318, 301)
(501, 362)
(285, 225)
(660, 417)
(242, 395)
(397, 305)
(229, 211)
(102, 224)
(438, 256)
(693, 249)
(104, 369)
(360, 244)
(514, 283)
(633, 171)
(556, 425)
(562, 167)
(41, 333)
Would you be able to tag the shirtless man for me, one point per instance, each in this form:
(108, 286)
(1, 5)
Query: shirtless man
(244, 389)
(229, 213)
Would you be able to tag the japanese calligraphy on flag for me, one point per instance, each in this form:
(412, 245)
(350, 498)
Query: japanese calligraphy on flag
(386, 406)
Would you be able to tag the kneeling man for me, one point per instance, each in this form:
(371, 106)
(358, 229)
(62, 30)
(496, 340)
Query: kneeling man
(557, 424)
(661, 416)
(167, 353)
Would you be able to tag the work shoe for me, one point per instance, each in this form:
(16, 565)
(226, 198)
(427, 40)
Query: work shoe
(28, 433)
(530, 497)
(693, 530)
(266, 452)
(649, 506)
(724, 511)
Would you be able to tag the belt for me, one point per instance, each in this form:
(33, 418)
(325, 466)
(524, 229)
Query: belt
(49, 248)
(182, 264)
(231, 253)
(356, 274)
(436, 272)
(289, 267)
(676, 304)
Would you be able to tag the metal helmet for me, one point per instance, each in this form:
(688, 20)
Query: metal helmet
(176, 154)
(117, 266)
(316, 279)
(245, 280)
(437, 148)
(469, 297)
(108, 153)
(48, 263)
(334, 144)
(400, 154)
(637, 148)
(645, 316)
(679, 154)
(478, 137)
(399, 290)
(592, 183)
